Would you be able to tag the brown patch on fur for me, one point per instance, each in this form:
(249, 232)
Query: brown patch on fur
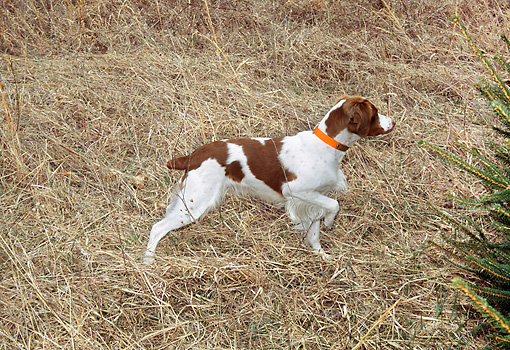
(336, 122)
(234, 170)
(264, 163)
(217, 150)
(356, 114)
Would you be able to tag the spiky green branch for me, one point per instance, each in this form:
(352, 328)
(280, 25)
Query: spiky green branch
(479, 253)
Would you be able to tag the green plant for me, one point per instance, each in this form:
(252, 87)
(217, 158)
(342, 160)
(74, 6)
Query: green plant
(486, 252)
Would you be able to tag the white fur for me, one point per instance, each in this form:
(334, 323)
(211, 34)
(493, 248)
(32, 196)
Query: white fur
(315, 164)
(385, 122)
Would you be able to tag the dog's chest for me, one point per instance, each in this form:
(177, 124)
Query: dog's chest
(305, 154)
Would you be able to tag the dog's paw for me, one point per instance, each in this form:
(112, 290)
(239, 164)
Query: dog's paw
(341, 184)
(325, 256)
(148, 258)
(341, 187)
(299, 227)
(329, 221)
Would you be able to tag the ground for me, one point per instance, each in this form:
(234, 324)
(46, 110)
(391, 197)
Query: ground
(97, 95)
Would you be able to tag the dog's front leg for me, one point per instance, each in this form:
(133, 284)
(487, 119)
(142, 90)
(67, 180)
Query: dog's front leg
(307, 209)
(312, 239)
(341, 182)
(329, 205)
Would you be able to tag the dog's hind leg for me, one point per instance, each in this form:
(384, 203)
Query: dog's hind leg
(313, 240)
(198, 195)
(177, 216)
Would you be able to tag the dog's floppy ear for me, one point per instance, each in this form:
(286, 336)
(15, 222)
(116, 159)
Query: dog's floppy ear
(359, 113)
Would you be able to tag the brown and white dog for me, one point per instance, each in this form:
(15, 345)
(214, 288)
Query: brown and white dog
(296, 171)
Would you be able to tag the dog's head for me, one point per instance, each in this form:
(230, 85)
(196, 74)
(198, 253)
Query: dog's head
(359, 116)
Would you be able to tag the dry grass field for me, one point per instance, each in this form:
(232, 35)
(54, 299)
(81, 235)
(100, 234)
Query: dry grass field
(98, 94)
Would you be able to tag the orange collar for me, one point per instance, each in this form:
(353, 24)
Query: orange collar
(329, 140)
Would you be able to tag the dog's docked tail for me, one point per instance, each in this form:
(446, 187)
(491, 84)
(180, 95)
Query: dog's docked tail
(181, 163)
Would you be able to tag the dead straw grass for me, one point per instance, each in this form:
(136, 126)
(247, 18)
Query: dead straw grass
(100, 93)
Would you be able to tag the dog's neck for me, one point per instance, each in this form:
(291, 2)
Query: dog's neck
(344, 136)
